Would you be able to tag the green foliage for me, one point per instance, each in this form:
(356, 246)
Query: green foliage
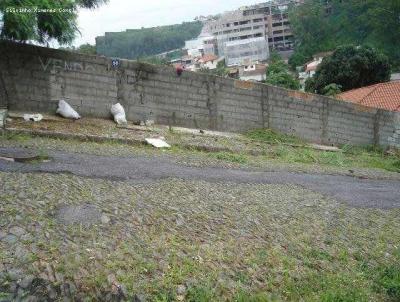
(87, 49)
(42, 26)
(274, 56)
(389, 280)
(84, 48)
(332, 89)
(272, 136)
(200, 294)
(278, 73)
(157, 60)
(319, 27)
(283, 79)
(352, 67)
(221, 70)
(230, 157)
(135, 43)
(310, 85)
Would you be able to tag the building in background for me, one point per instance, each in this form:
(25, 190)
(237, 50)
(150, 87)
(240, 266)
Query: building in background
(277, 25)
(203, 45)
(253, 72)
(268, 20)
(310, 68)
(245, 36)
(248, 50)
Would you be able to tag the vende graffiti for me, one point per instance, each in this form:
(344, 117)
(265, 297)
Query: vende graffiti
(52, 64)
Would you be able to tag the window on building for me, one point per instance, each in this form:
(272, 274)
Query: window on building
(276, 24)
(277, 32)
(244, 22)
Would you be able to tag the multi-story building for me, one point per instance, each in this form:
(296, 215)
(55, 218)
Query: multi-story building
(268, 20)
(238, 52)
(203, 45)
(277, 25)
(239, 35)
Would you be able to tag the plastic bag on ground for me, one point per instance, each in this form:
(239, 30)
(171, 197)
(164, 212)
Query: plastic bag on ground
(157, 142)
(33, 117)
(119, 114)
(65, 110)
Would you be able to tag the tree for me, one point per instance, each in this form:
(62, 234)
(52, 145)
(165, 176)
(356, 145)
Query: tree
(87, 49)
(278, 73)
(84, 48)
(324, 25)
(42, 20)
(283, 79)
(309, 85)
(332, 89)
(352, 67)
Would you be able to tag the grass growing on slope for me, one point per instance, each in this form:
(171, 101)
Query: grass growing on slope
(272, 136)
(292, 149)
(230, 157)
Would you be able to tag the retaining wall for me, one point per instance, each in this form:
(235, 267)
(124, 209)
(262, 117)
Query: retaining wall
(33, 79)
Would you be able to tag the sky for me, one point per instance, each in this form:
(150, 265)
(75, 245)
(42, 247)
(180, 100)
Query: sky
(119, 15)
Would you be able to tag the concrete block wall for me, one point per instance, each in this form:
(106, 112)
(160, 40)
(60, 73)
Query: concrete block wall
(34, 79)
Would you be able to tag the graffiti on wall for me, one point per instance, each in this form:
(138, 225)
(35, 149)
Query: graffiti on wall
(52, 64)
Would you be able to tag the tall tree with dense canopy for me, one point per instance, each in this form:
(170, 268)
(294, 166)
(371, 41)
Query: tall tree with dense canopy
(351, 67)
(321, 25)
(42, 20)
(278, 73)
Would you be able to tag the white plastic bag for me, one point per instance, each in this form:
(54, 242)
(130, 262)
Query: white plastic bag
(119, 114)
(65, 110)
(158, 142)
(33, 117)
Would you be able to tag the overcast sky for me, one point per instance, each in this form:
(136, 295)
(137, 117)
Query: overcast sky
(119, 15)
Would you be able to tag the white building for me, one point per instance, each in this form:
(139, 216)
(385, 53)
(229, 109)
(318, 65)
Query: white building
(247, 50)
(311, 67)
(203, 45)
(253, 72)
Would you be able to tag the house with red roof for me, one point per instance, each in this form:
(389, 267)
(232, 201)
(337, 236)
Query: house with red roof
(383, 96)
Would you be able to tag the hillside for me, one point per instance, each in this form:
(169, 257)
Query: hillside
(319, 27)
(137, 43)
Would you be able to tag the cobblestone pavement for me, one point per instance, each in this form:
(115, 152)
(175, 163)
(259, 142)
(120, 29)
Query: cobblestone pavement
(354, 191)
(148, 229)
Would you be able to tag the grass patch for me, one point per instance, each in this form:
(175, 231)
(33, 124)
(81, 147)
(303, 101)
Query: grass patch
(388, 279)
(17, 137)
(243, 296)
(230, 157)
(200, 294)
(272, 137)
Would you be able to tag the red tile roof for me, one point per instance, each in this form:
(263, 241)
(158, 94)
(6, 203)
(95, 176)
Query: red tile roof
(208, 58)
(383, 96)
